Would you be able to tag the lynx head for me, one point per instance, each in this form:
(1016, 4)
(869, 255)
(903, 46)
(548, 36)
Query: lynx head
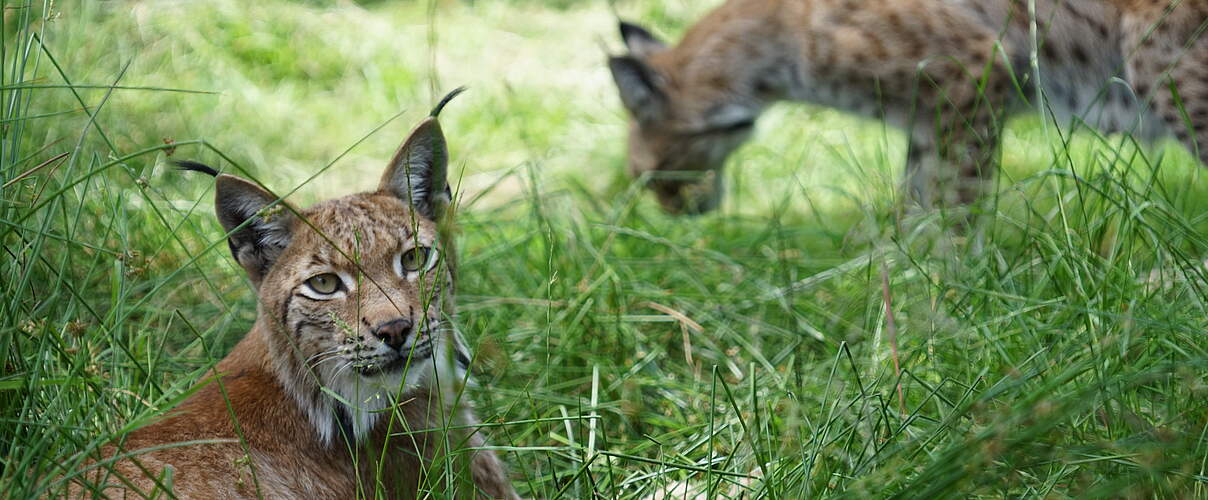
(355, 293)
(687, 115)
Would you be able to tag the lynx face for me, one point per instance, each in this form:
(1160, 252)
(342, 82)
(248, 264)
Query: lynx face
(362, 300)
(684, 168)
(679, 134)
(356, 291)
(369, 305)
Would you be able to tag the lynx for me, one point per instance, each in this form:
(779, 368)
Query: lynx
(346, 385)
(947, 71)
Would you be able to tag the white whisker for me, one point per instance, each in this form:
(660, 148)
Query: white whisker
(320, 353)
(347, 364)
(312, 363)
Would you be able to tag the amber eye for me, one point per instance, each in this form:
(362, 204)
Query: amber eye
(417, 259)
(324, 284)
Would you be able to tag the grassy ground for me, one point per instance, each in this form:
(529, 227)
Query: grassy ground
(796, 336)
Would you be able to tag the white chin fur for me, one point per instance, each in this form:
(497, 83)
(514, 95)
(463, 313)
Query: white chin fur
(365, 396)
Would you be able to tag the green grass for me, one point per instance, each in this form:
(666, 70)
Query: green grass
(1066, 358)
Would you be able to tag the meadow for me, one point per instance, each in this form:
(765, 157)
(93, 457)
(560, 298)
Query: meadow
(797, 343)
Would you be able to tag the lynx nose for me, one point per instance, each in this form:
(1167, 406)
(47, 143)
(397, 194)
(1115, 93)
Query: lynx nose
(393, 332)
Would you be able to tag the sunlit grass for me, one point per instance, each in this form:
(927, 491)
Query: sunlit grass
(1066, 357)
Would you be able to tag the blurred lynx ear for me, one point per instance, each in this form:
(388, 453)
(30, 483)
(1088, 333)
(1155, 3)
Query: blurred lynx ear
(257, 244)
(639, 87)
(640, 41)
(418, 173)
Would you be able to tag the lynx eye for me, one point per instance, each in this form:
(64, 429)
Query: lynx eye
(418, 259)
(324, 284)
(730, 128)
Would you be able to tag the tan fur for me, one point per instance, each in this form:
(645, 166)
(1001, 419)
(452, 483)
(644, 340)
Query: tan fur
(282, 440)
(946, 70)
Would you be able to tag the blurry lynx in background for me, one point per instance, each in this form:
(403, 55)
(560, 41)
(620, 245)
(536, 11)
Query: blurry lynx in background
(948, 72)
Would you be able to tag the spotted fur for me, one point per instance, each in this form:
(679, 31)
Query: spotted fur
(345, 394)
(948, 71)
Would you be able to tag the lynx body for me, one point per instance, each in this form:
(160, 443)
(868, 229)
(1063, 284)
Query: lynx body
(947, 71)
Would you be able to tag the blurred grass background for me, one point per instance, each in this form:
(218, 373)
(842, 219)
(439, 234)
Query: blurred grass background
(1067, 357)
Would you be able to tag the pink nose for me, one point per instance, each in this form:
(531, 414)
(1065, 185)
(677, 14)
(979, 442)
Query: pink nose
(393, 332)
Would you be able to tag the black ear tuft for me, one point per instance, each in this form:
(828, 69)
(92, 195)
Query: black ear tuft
(193, 166)
(640, 41)
(440, 106)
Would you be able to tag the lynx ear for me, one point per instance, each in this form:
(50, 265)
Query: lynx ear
(640, 41)
(639, 87)
(258, 243)
(417, 174)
